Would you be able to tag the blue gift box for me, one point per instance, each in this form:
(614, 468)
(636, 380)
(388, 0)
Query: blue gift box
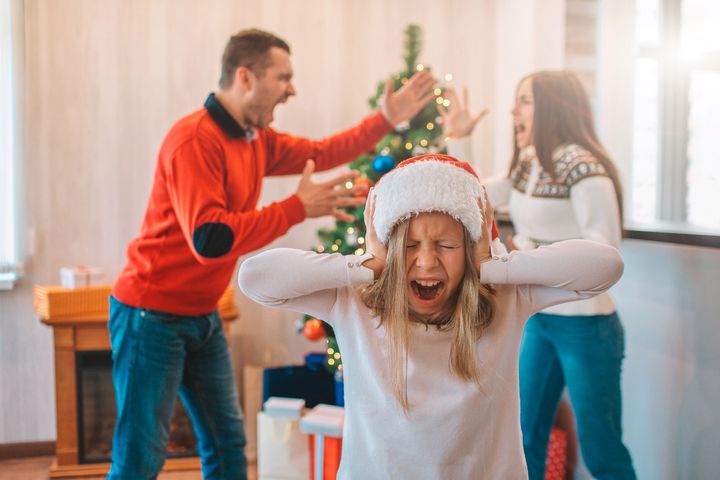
(312, 383)
(339, 389)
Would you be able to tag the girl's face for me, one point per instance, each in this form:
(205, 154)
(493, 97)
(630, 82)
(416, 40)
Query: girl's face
(435, 261)
(523, 112)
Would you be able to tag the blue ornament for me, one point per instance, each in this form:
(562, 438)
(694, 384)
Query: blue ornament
(383, 163)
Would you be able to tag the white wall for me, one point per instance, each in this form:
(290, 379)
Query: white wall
(530, 36)
(669, 305)
(615, 84)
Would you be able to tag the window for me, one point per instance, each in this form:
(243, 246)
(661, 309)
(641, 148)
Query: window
(676, 157)
(9, 208)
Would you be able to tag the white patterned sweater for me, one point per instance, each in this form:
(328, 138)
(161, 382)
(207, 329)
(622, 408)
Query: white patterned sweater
(455, 429)
(579, 203)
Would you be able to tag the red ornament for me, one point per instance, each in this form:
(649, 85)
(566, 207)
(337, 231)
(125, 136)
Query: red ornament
(314, 329)
(363, 185)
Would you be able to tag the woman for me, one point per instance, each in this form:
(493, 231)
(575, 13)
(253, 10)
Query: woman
(429, 321)
(561, 184)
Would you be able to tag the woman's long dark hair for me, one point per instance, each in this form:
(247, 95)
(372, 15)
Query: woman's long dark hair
(563, 116)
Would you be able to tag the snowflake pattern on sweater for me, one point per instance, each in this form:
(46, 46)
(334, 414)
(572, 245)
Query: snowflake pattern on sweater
(572, 164)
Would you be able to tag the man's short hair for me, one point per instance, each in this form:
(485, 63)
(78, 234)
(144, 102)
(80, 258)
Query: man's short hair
(248, 48)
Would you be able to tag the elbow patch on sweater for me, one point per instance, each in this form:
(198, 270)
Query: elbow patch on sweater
(213, 240)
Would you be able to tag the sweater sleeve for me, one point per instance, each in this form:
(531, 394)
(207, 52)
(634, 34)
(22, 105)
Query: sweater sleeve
(196, 186)
(300, 280)
(288, 154)
(596, 210)
(557, 273)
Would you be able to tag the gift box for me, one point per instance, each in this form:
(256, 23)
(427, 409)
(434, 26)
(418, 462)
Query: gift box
(324, 423)
(339, 388)
(283, 450)
(556, 455)
(284, 407)
(315, 359)
(80, 276)
(312, 383)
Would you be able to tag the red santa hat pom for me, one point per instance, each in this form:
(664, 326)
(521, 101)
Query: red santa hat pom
(429, 183)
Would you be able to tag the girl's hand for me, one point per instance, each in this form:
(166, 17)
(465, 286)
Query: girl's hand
(482, 248)
(456, 118)
(372, 243)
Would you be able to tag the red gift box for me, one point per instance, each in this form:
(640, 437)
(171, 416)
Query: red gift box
(556, 455)
(324, 424)
(331, 457)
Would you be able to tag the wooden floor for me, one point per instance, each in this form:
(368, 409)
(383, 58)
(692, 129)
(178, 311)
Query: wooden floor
(36, 468)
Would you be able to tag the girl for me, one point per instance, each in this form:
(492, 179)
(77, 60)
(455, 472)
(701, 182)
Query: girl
(561, 184)
(429, 322)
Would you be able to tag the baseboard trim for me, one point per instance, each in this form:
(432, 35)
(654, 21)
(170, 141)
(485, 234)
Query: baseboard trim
(26, 449)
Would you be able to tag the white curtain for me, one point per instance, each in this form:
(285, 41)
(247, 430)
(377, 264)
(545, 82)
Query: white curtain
(10, 103)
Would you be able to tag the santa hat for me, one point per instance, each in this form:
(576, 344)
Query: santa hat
(429, 183)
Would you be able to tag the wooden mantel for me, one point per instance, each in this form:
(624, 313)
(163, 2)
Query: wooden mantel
(88, 331)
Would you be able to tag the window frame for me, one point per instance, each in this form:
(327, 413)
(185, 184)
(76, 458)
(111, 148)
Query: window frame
(673, 116)
(11, 95)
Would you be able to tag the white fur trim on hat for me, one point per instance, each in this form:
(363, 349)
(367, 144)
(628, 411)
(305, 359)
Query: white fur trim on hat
(428, 186)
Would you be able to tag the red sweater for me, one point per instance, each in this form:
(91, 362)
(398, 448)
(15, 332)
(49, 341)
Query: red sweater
(202, 211)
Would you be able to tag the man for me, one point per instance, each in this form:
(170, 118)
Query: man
(165, 331)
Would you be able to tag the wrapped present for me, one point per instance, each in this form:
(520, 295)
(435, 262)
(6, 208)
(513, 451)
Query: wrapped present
(81, 276)
(312, 383)
(284, 407)
(556, 455)
(283, 450)
(315, 359)
(324, 423)
(339, 387)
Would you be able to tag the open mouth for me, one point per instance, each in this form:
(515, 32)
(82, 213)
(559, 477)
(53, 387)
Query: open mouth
(427, 290)
(519, 128)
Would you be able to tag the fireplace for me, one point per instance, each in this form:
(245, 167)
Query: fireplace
(84, 395)
(97, 413)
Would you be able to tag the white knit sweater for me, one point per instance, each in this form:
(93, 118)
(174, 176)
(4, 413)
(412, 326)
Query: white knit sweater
(580, 205)
(455, 429)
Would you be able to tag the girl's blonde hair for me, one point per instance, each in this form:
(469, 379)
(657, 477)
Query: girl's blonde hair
(470, 312)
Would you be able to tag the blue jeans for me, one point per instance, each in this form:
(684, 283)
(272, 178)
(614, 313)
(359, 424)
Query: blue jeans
(157, 355)
(585, 353)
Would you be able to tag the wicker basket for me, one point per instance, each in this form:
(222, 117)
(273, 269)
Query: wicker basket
(54, 301)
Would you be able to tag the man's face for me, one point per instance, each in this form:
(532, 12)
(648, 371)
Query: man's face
(272, 87)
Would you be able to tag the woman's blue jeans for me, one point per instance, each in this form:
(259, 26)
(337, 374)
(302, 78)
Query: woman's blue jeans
(585, 353)
(157, 355)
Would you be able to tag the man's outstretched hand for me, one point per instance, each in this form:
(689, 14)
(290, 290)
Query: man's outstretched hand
(326, 198)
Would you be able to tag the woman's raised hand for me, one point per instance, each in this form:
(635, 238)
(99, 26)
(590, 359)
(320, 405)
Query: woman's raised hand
(373, 244)
(457, 120)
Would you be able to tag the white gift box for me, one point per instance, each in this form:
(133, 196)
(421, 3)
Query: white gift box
(283, 450)
(284, 407)
(81, 276)
(326, 420)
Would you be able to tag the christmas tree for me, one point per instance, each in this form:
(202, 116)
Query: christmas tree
(420, 135)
